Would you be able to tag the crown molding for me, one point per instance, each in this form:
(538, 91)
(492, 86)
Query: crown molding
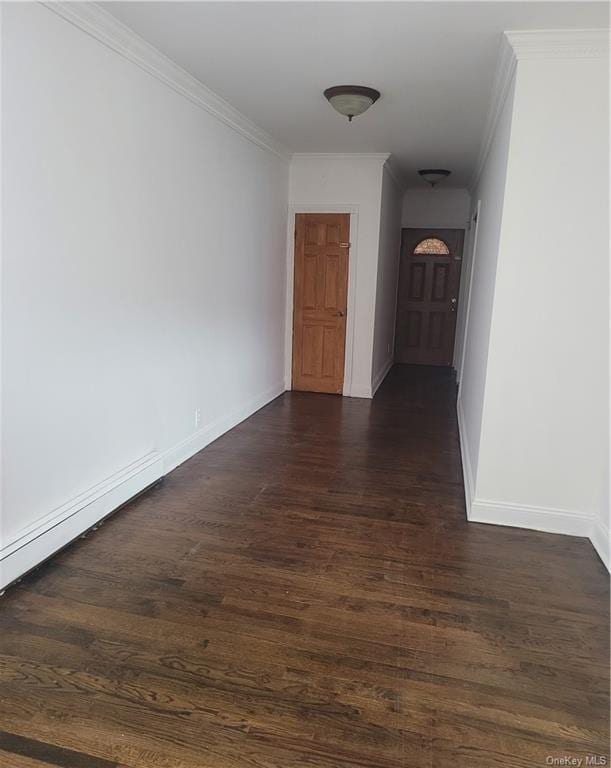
(384, 159)
(559, 43)
(380, 157)
(396, 174)
(504, 74)
(109, 31)
(534, 44)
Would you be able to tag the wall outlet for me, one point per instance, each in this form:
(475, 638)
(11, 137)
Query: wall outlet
(198, 417)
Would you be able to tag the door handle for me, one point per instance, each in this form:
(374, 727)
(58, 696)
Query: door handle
(340, 313)
(453, 304)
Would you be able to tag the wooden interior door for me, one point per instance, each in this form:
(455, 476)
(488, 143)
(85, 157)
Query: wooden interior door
(320, 300)
(429, 278)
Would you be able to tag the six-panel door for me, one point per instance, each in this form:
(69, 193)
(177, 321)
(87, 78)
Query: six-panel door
(320, 301)
(427, 300)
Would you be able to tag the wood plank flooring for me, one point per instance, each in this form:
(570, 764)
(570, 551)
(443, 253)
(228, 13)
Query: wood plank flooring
(306, 593)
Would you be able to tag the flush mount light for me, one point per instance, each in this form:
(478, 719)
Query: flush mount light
(434, 175)
(351, 100)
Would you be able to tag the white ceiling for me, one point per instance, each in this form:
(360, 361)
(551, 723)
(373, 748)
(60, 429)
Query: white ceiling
(432, 61)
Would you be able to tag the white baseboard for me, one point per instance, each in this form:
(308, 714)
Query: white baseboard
(57, 529)
(356, 392)
(211, 432)
(381, 375)
(599, 536)
(467, 471)
(549, 520)
(38, 541)
(546, 519)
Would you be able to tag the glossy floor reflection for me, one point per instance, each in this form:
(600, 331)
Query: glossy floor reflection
(306, 593)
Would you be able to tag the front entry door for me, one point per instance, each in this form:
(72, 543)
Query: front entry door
(320, 301)
(427, 301)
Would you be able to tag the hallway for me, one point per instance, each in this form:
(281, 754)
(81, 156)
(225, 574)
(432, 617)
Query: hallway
(306, 592)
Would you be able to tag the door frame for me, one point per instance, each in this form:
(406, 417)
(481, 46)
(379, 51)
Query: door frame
(469, 261)
(294, 209)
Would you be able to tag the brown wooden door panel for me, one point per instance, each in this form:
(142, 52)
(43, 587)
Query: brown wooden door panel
(320, 301)
(428, 296)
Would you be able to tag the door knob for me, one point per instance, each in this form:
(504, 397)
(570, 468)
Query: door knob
(341, 313)
(453, 303)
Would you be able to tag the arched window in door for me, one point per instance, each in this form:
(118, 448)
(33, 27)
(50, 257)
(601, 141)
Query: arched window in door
(432, 246)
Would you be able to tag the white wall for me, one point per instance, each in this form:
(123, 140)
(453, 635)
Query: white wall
(464, 291)
(143, 272)
(534, 398)
(544, 437)
(350, 183)
(435, 207)
(482, 272)
(388, 278)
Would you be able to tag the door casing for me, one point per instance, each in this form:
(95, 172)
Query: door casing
(353, 209)
(322, 253)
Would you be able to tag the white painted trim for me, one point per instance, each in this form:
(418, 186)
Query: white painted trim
(524, 45)
(448, 225)
(178, 454)
(559, 43)
(104, 27)
(353, 210)
(396, 175)
(381, 375)
(59, 527)
(463, 296)
(473, 264)
(599, 536)
(380, 157)
(465, 457)
(364, 394)
(505, 71)
(398, 254)
(74, 505)
(535, 518)
(548, 519)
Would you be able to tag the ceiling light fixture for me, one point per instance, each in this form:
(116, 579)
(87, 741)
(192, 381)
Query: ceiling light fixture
(351, 100)
(434, 175)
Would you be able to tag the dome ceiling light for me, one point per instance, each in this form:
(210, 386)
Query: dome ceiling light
(351, 100)
(434, 175)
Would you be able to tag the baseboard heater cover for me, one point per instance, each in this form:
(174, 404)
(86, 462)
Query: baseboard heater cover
(60, 528)
(38, 542)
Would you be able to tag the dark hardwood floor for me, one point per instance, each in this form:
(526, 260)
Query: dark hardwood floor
(306, 593)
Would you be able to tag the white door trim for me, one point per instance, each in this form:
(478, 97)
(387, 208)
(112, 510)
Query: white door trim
(468, 296)
(294, 209)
